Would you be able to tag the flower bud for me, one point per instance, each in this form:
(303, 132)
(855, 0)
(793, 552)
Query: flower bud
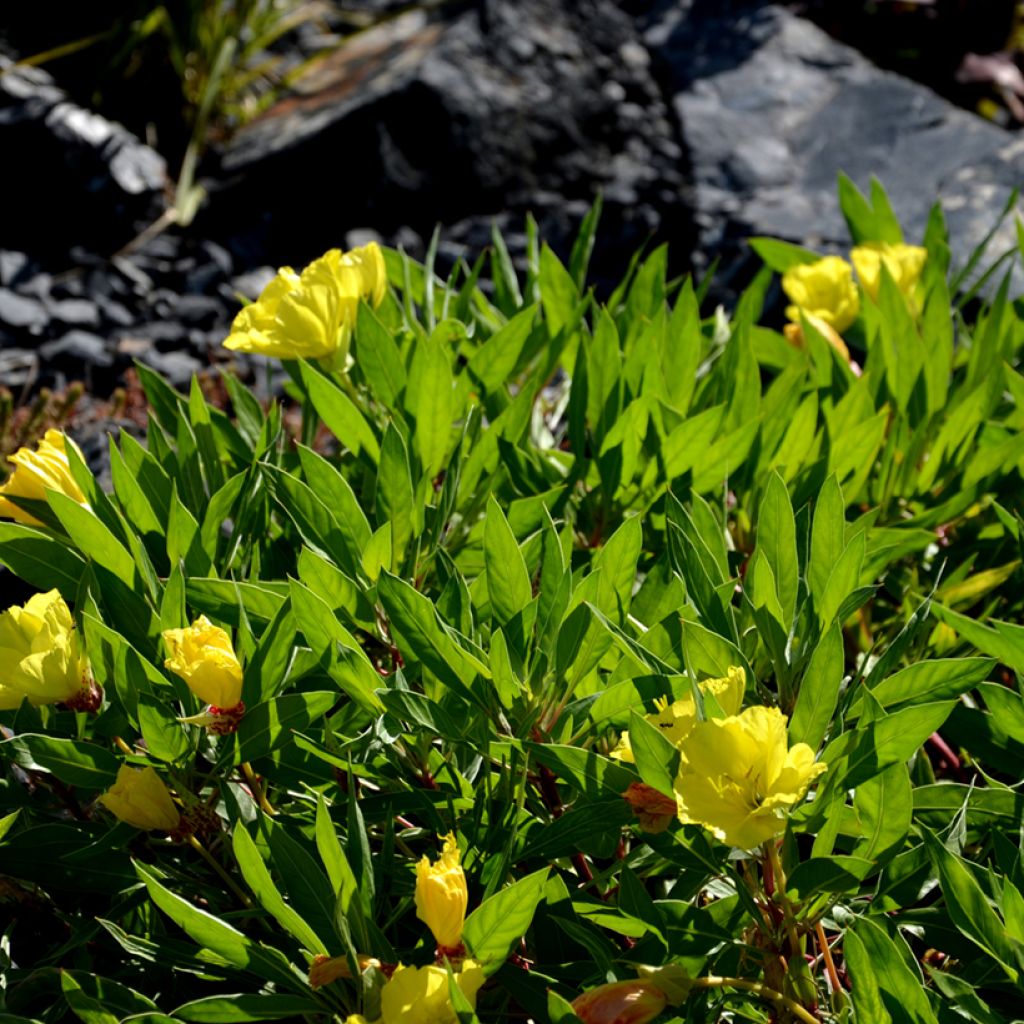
(325, 969)
(655, 810)
(203, 656)
(36, 472)
(441, 895)
(140, 798)
(42, 656)
(620, 1002)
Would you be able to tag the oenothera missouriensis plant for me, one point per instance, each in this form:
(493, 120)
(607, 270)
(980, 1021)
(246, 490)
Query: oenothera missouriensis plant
(507, 527)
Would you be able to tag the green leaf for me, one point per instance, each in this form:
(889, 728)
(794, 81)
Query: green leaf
(166, 738)
(270, 725)
(508, 582)
(819, 690)
(779, 255)
(74, 762)
(41, 559)
(657, 759)
(212, 933)
(430, 399)
(835, 874)
(776, 539)
(257, 877)
(969, 908)
(421, 635)
(828, 537)
(246, 1006)
(493, 363)
(378, 357)
(340, 415)
(885, 808)
(494, 928)
(878, 960)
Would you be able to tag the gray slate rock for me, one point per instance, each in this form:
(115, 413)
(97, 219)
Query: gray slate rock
(772, 109)
(440, 117)
(78, 179)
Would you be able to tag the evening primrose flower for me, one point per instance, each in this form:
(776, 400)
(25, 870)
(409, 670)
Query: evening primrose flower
(311, 315)
(39, 471)
(325, 969)
(419, 995)
(441, 895)
(42, 656)
(904, 263)
(823, 289)
(203, 656)
(738, 777)
(637, 1001)
(140, 798)
(675, 720)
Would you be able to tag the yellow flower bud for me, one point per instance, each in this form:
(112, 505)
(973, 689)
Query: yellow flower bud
(738, 777)
(441, 895)
(325, 969)
(419, 995)
(140, 798)
(311, 315)
(904, 263)
(674, 721)
(794, 334)
(42, 656)
(823, 289)
(620, 1002)
(35, 473)
(203, 656)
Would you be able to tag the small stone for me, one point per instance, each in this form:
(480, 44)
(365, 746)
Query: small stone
(90, 349)
(113, 312)
(75, 313)
(198, 310)
(178, 367)
(18, 367)
(14, 267)
(19, 311)
(252, 282)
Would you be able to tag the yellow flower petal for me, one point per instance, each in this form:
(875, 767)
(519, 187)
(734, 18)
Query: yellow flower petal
(419, 995)
(442, 896)
(41, 654)
(36, 472)
(738, 778)
(140, 798)
(203, 656)
(823, 289)
(904, 263)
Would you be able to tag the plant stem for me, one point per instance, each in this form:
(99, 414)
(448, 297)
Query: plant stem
(257, 789)
(826, 956)
(779, 874)
(762, 992)
(225, 877)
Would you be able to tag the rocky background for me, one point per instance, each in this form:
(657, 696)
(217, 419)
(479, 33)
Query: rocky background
(701, 122)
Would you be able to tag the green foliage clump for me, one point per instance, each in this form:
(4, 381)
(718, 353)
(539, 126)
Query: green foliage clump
(451, 577)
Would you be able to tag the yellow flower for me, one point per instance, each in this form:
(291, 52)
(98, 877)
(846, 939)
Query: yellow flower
(140, 798)
(203, 656)
(311, 315)
(42, 656)
(904, 263)
(823, 289)
(441, 895)
(675, 720)
(738, 778)
(620, 1002)
(419, 995)
(39, 471)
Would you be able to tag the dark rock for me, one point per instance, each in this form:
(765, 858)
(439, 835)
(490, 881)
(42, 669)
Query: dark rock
(113, 312)
(198, 310)
(162, 333)
(78, 346)
(252, 282)
(74, 313)
(439, 116)
(14, 267)
(90, 181)
(20, 312)
(772, 109)
(177, 366)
